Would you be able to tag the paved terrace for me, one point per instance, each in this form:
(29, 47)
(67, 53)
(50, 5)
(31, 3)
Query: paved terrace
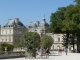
(70, 56)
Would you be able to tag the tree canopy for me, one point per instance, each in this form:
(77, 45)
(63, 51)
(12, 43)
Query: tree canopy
(30, 40)
(77, 1)
(56, 20)
(46, 41)
(67, 20)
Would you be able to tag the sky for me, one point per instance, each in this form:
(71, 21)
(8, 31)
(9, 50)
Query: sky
(29, 10)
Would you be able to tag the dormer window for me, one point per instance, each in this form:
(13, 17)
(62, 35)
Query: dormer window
(9, 25)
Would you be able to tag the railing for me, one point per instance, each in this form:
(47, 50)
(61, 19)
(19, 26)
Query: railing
(11, 54)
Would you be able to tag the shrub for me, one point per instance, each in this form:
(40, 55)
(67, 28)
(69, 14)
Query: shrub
(9, 47)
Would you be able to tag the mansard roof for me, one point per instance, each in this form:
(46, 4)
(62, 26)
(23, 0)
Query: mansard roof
(14, 23)
(38, 24)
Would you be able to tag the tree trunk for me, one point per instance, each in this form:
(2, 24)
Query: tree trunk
(73, 39)
(78, 42)
(67, 39)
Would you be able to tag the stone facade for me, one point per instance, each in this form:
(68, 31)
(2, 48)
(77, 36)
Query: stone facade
(58, 40)
(12, 31)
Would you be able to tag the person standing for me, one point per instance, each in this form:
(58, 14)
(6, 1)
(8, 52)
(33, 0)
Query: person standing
(71, 49)
(47, 53)
(60, 51)
(66, 50)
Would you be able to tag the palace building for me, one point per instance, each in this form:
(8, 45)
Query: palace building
(12, 31)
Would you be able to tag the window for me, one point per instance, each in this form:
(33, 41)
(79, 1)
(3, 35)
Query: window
(2, 31)
(6, 40)
(52, 46)
(6, 31)
(10, 31)
(58, 39)
(2, 40)
(9, 39)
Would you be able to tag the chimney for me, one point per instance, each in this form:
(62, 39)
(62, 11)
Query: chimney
(16, 20)
(9, 19)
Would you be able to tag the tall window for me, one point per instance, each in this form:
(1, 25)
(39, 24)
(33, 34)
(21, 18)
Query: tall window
(6, 40)
(52, 46)
(10, 31)
(6, 31)
(2, 40)
(58, 39)
(9, 39)
(2, 31)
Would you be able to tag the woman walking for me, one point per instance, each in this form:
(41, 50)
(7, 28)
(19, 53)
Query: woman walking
(47, 53)
(41, 52)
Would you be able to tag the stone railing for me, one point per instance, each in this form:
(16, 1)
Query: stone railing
(11, 54)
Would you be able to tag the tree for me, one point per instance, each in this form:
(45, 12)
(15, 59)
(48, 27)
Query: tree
(46, 41)
(77, 1)
(63, 21)
(9, 47)
(71, 22)
(69, 25)
(30, 40)
(57, 25)
(68, 22)
(56, 20)
(78, 24)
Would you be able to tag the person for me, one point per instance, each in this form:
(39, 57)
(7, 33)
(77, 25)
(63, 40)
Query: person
(41, 52)
(71, 49)
(66, 50)
(63, 50)
(47, 53)
(60, 51)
